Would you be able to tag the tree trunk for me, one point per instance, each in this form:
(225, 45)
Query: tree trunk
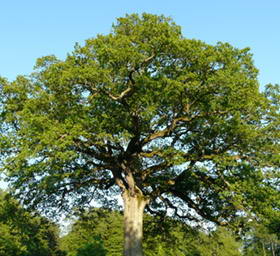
(264, 253)
(133, 223)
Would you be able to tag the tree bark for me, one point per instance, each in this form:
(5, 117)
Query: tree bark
(134, 206)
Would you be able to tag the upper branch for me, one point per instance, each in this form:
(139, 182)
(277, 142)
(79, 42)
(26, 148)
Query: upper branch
(165, 132)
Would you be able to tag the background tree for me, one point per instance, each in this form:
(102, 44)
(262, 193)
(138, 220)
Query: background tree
(23, 233)
(261, 241)
(9, 243)
(93, 247)
(98, 226)
(219, 242)
(166, 121)
(162, 237)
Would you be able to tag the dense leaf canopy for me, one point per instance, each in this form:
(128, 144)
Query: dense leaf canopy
(145, 109)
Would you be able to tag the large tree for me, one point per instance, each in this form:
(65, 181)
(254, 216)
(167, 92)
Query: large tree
(168, 122)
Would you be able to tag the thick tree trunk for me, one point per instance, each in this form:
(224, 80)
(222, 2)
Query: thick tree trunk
(133, 223)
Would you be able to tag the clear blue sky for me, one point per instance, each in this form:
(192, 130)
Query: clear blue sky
(31, 29)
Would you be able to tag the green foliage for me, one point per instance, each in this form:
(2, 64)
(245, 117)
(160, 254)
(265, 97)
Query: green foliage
(262, 241)
(101, 229)
(10, 245)
(94, 247)
(97, 229)
(218, 243)
(23, 233)
(168, 237)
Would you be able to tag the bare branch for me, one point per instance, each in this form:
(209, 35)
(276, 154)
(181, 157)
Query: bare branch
(172, 206)
(152, 169)
(120, 181)
(167, 131)
(149, 59)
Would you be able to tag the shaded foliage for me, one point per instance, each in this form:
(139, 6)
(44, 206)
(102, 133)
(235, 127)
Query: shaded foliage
(161, 237)
(23, 233)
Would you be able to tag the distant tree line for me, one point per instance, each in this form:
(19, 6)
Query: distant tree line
(99, 232)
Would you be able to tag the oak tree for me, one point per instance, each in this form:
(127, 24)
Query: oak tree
(165, 121)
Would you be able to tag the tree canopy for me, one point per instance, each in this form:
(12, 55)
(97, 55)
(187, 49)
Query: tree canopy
(172, 122)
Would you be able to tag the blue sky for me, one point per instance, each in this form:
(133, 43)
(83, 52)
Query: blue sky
(32, 29)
